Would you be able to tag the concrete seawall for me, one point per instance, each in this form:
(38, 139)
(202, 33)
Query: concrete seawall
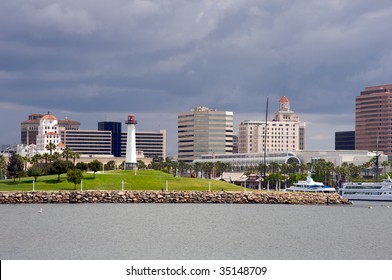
(170, 197)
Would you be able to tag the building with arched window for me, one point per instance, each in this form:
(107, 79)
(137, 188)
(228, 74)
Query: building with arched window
(284, 133)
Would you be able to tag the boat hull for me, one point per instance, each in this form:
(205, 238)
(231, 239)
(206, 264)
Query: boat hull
(368, 197)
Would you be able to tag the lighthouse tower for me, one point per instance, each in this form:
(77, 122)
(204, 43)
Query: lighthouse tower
(130, 156)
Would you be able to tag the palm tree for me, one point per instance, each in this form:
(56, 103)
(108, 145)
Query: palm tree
(302, 168)
(75, 156)
(67, 153)
(329, 168)
(51, 147)
(384, 165)
(197, 166)
(207, 168)
(274, 167)
(46, 157)
(367, 166)
(25, 161)
(56, 155)
(220, 167)
(35, 159)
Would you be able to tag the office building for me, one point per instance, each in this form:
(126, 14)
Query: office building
(115, 128)
(29, 128)
(345, 140)
(88, 142)
(151, 143)
(202, 131)
(107, 140)
(373, 115)
(284, 133)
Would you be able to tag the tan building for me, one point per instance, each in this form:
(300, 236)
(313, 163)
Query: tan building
(29, 128)
(284, 133)
(373, 119)
(203, 131)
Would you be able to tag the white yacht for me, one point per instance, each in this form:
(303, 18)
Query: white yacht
(310, 186)
(381, 191)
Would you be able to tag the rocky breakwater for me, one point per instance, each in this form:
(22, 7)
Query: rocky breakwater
(170, 197)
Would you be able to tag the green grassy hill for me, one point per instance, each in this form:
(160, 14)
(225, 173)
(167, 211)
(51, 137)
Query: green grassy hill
(112, 180)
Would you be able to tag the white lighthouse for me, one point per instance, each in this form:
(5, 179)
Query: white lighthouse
(130, 156)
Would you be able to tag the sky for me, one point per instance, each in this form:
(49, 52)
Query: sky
(99, 60)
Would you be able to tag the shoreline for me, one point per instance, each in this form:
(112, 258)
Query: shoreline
(38, 197)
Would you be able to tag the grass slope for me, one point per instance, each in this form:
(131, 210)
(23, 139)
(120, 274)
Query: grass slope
(112, 180)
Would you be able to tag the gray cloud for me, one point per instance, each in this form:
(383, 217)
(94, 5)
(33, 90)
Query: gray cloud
(158, 58)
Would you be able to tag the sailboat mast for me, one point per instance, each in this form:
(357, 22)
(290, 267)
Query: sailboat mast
(265, 142)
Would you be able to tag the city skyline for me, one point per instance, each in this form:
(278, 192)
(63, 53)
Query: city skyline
(96, 60)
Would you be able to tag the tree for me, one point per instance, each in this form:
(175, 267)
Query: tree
(221, 167)
(3, 166)
(67, 153)
(59, 167)
(75, 176)
(197, 166)
(15, 165)
(141, 164)
(82, 166)
(35, 171)
(56, 156)
(35, 159)
(156, 163)
(25, 161)
(207, 168)
(51, 147)
(95, 166)
(75, 156)
(110, 165)
(384, 164)
(46, 157)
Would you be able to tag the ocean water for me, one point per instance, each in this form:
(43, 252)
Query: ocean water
(196, 231)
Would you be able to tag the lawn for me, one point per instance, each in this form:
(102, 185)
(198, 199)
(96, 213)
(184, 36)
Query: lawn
(115, 180)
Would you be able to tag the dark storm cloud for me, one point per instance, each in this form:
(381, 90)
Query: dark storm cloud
(164, 57)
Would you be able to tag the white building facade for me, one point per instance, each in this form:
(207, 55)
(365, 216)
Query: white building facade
(284, 133)
(48, 132)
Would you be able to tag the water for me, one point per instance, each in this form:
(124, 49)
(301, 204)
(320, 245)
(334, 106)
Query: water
(195, 231)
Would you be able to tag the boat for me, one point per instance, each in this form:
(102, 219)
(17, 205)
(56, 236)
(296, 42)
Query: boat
(379, 191)
(310, 186)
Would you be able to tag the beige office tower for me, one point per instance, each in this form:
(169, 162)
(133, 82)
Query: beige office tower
(373, 119)
(284, 133)
(204, 131)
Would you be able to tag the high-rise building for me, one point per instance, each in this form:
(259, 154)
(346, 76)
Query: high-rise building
(373, 115)
(115, 128)
(284, 133)
(345, 140)
(203, 131)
